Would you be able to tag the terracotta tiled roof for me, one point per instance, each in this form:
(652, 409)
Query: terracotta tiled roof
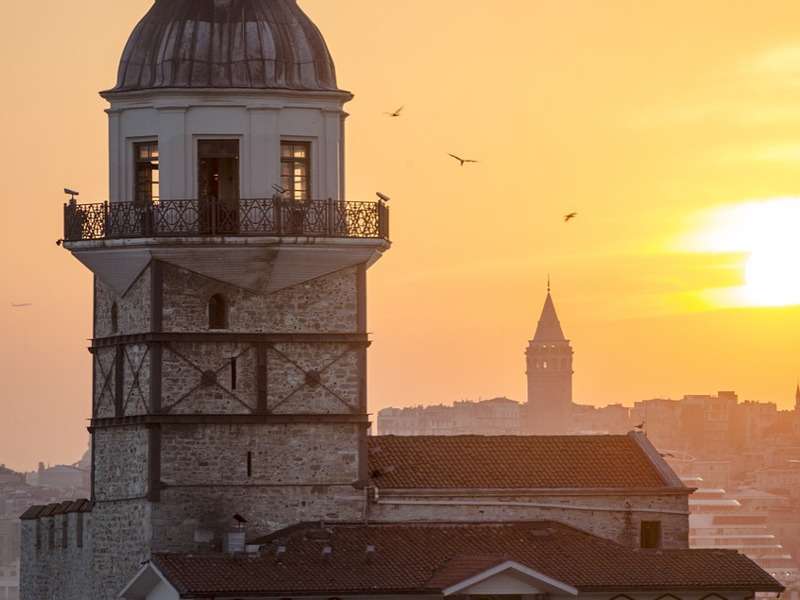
(423, 558)
(467, 462)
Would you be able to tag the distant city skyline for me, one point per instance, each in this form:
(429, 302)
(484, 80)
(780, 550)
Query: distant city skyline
(662, 174)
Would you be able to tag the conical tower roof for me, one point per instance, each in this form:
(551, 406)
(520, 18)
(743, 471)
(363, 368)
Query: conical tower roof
(549, 328)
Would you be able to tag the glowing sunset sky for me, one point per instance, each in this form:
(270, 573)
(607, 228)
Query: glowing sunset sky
(673, 128)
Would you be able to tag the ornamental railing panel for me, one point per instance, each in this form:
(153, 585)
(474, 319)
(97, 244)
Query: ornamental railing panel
(245, 217)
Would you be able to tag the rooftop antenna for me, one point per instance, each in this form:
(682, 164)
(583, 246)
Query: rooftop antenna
(548, 283)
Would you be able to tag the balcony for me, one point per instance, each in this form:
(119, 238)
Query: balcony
(273, 217)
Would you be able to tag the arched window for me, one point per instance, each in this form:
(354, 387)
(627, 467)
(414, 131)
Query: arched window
(217, 312)
(114, 318)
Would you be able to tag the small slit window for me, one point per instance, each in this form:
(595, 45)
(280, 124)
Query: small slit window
(249, 465)
(233, 373)
(217, 312)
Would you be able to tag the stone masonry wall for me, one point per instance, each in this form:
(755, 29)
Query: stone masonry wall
(121, 538)
(324, 305)
(189, 389)
(120, 463)
(51, 569)
(620, 523)
(104, 373)
(133, 308)
(296, 473)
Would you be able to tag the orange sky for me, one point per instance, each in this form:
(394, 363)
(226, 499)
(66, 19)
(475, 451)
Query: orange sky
(652, 119)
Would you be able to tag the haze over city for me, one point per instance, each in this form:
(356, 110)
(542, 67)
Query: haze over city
(676, 148)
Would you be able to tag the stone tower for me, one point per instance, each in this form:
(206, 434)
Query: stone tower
(549, 372)
(230, 328)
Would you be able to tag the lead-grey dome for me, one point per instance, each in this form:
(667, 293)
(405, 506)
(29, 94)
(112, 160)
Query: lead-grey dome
(255, 44)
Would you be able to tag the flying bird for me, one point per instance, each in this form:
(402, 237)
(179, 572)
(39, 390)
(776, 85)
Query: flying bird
(27, 304)
(463, 161)
(570, 216)
(396, 113)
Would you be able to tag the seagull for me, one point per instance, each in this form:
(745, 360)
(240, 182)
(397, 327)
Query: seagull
(640, 426)
(396, 113)
(21, 305)
(463, 161)
(569, 217)
(383, 197)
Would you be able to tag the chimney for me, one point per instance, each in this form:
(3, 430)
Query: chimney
(235, 540)
(280, 552)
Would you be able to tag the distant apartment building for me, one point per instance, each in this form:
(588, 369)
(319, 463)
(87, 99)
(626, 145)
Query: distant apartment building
(740, 521)
(499, 416)
(9, 581)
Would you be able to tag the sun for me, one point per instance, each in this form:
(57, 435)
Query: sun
(767, 233)
(772, 277)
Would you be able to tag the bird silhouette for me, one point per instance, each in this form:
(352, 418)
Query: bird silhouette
(462, 161)
(396, 113)
(570, 216)
(640, 426)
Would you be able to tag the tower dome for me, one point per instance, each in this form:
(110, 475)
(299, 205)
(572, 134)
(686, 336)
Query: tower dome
(226, 44)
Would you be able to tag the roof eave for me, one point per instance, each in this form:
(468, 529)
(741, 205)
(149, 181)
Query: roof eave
(119, 94)
(494, 492)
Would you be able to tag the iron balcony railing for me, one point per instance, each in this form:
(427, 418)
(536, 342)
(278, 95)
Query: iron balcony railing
(245, 217)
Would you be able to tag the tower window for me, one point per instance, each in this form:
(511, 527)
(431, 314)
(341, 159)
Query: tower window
(217, 312)
(296, 169)
(218, 170)
(146, 179)
(233, 373)
(249, 464)
(114, 318)
(651, 534)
